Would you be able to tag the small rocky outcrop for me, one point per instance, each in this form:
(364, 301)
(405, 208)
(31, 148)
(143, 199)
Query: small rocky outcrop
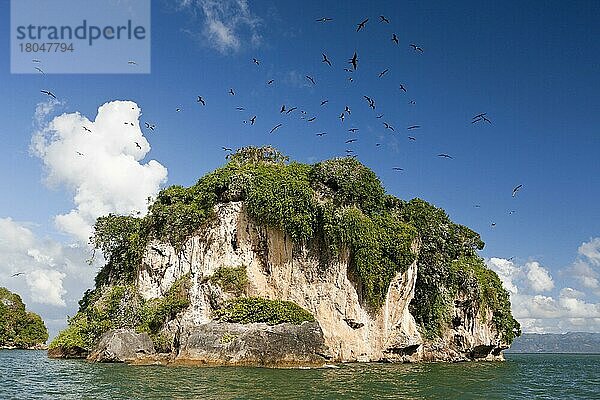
(283, 345)
(122, 345)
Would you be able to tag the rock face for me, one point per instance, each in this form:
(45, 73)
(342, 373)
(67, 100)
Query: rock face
(278, 269)
(284, 345)
(122, 345)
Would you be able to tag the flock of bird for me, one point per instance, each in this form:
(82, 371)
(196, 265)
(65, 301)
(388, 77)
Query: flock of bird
(352, 65)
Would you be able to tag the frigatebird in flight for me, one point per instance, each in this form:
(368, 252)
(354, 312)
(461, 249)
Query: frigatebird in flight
(362, 25)
(48, 93)
(354, 61)
(275, 128)
(516, 189)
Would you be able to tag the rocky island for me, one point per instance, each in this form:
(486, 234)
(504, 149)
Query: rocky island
(274, 263)
(19, 328)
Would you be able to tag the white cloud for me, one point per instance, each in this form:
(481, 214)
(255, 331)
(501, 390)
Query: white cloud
(584, 269)
(539, 278)
(46, 286)
(566, 309)
(228, 24)
(591, 251)
(40, 262)
(102, 168)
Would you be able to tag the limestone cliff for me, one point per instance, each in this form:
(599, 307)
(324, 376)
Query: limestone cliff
(268, 263)
(279, 270)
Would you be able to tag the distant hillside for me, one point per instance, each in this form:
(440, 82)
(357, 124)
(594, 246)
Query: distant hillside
(572, 342)
(19, 328)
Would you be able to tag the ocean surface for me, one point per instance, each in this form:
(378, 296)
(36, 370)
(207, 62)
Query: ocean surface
(31, 375)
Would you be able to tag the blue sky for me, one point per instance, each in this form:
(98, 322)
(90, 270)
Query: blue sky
(533, 67)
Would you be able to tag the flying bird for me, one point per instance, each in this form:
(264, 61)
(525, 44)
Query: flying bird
(325, 59)
(379, 116)
(178, 109)
(362, 25)
(413, 127)
(311, 79)
(398, 169)
(311, 119)
(79, 153)
(231, 92)
(270, 81)
(516, 189)
(353, 130)
(388, 126)
(40, 70)
(382, 73)
(275, 128)
(512, 212)
(227, 148)
(48, 93)
(85, 128)
(255, 61)
(416, 48)
(321, 133)
(35, 60)
(324, 19)
(201, 100)
(253, 120)
(131, 62)
(394, 38)
(444, 155)
(347, 109)
(138, 145)
(412, 138)
(493, 224)
(282, 109)
(384, 19)
(240, 108)
(324, 102)
(402, 88)
(342, 116)
(17, 274)
(412, 102)
(351, 140)
(150, 126)
(354, 61)
(291, 109)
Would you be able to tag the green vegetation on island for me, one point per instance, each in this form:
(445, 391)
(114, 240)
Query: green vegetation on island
(18, 327)
(338, 207)
(249, 310)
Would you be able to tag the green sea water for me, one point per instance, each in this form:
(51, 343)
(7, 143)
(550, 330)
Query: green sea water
(31, 375)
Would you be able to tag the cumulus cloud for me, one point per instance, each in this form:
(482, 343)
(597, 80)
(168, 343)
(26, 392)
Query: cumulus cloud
(585, 268)
(591, 251)
(41, 263)
(561, 310)
(532, 275)
(228, 24)
(46, 286)
(538, 277)
(101, 164)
